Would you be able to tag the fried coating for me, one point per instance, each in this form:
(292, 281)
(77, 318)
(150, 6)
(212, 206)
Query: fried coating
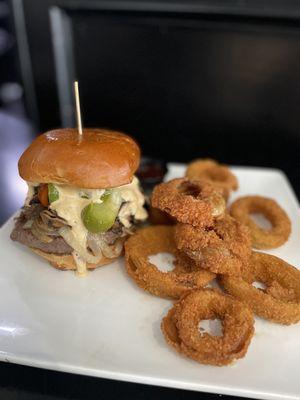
(158, 239)
(221, 249)
(242, 208)
(193, 202)
(181, 327)
(218, 174)
(280, 300)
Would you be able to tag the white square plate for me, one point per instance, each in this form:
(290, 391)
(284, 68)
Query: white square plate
(104, 325)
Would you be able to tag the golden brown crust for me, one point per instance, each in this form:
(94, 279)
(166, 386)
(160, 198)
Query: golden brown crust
(181, 327)
(194, 202)
(218, 174)
(222, 248)
(280, 300)
(154, 240)
(66, 262)
(263, 238)
(102, 159)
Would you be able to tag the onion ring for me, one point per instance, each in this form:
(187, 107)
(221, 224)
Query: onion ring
(153, 240)
(181, 327)
(263, 238)
(222, 248)
(280, 300)
(218, 174)
(193, 202)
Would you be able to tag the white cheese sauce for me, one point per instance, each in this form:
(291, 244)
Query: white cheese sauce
(70, 204)
(135, 200)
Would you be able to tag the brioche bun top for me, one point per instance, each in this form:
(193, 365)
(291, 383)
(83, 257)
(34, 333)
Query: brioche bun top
(101, 159)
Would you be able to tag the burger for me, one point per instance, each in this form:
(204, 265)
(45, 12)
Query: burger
(83, 198)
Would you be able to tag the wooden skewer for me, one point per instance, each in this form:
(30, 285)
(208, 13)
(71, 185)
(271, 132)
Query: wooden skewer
(78, 112)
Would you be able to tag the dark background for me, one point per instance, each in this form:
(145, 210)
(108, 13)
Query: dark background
(186, 78)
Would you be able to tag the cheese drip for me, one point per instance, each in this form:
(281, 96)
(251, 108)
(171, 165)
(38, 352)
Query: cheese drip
(134, 201)
(72, 201)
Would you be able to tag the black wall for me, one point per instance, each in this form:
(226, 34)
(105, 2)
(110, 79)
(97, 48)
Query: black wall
(187, 79)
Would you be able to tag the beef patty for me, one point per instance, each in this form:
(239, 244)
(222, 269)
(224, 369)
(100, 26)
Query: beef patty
(57, 245)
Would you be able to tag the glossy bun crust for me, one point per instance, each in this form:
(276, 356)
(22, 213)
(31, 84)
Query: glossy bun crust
(101, 159)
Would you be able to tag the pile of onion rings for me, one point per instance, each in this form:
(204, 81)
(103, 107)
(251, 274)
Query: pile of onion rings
(209, 242)
(218, 174)
(181, 327)
(154, 240)
(242, 209)
(193, 202)
(279, 301)
(222, 249)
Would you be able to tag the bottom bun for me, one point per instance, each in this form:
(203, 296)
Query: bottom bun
(66, 262)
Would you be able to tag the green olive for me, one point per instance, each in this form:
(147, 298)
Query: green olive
(99, 217)
(53, 193)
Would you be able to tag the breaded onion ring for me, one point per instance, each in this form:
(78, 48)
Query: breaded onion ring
(181, 327)
(280, 300)
(221, 249)
(193, 202)
(158, 239)
(263, 238)
(219, 174)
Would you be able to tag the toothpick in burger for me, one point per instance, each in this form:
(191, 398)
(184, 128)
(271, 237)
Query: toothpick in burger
(83, 198)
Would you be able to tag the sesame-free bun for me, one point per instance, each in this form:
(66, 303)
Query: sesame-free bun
(66, 262)
(101, 159)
